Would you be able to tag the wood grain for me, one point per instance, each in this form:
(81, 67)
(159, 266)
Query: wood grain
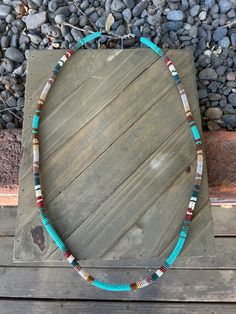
(118, 150)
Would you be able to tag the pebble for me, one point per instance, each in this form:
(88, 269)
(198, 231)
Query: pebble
(7, 117)
(225, 6)
(230, 119)
(138, 9)
(208, 74)
(214, 113)
(174, 26)
(175, 15)
(4, 10)
(232, 99)
(14, 54)
(193, 31)
(202, 16)
(221, 70)
(34, 21)
(129, 4)
(60, 19)
(5, 41)
(213, 125)
(219, 33)
(100, 23)
(209, 3)
(117, 6)
(224, 42)
(194, 10)
(127, 15)
(11, 101)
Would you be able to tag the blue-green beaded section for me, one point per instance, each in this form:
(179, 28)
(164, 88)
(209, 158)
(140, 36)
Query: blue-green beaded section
(111, 287)
(87, 39)
(53, 234)
(35, 123)
(195, 132)
(151, 45)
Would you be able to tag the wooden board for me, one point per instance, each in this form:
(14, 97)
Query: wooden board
(118, 158)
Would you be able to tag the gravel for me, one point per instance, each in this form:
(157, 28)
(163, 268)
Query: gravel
(201, 26)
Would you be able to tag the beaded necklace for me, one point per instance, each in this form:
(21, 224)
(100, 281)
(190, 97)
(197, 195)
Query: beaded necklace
(193, 198)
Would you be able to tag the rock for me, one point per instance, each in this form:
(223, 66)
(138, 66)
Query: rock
(214, 96)
(60, 19)
(138, 9)
(14, 54)
(193, 31)
(173, 26)
(4, 10)
(129, 4)
(127, 15)
(213, 126)
(232, 99)
(228, 109)
(7, 117)
(224, 42)
(221, 70)
(208, 74)
(202, 93)
(35, 39)
(202, 16)
(121, 30)
(117, 6)
(11, 101)
(230, 119)
(194, 10)
(10, 125)
(209, 3)
(225, 6)
(34, 21)
(219, 33)
(175, 15)
(213, 113)
(100, 23)
(5, 41)
(231, 76)
(233, 39)
(55, 31)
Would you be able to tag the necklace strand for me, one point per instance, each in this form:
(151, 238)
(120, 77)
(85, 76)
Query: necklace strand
(193, 198)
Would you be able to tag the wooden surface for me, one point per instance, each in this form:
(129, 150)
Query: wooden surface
(202, 285)
(117, 159)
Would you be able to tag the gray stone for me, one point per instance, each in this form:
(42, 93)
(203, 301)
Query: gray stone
(224, 42)
(194, 10)
(35, 39)
(83, 20)
(230, 119)
(221, 70)
(11, 102)
(60, 19)
(214, 113)
(175, 15)
(213, 125)
(193, 31)
(202, 93)
(225, 6)
(219, 33)
(233, 39)
(117, 6)
(174, 26)
(34, 21)
(5, 41)
(129, 3)
(100, 23)
(214, 96)
(208, 74)
(127, 15)
(228, 108)
(138, 9)
(232, 99)
(7, 117)
(10, 125)
(4, 10)
(202, 16)
(209, 3)
(14, 54)
(121, 30)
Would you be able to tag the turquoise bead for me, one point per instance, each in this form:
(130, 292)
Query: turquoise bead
(35, 123)
(195, 132)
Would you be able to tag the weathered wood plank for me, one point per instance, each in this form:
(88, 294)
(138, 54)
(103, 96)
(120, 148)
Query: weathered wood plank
(71, 307)
(175, 285)
(225, 258)
(118, 128)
